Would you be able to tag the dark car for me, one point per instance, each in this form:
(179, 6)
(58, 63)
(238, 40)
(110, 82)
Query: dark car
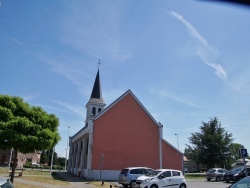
(236, 174)
(245, 182)
(215, 173)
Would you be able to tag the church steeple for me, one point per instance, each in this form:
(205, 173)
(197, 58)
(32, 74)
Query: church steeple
(96, 103)
(97, 91)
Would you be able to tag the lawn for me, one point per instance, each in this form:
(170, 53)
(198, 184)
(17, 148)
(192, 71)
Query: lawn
(45, 177)
(23, 185)
(99, 184)
(36, 176)
(195, 176)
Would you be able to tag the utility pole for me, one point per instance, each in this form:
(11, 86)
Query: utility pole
(67, 150)
(177, 141)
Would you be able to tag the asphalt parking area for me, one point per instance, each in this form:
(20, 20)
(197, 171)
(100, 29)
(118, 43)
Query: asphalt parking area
(197, 184)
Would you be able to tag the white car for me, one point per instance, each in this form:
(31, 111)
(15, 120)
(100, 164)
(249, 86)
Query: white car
(153, 173)
(128, 176)
(162, 178)
(4, 182)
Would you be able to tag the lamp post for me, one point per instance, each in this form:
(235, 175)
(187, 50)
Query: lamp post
(67, 149)
(177, 141)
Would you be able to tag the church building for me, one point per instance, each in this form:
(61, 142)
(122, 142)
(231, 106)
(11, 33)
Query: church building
(124, 134)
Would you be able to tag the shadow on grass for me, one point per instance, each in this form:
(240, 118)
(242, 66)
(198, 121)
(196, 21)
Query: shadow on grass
(69, 177)
(57, 176)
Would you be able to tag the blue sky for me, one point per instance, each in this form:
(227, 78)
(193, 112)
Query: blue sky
(186, 61)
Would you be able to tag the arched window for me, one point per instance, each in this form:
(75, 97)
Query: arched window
(99, 110)
(93, 111)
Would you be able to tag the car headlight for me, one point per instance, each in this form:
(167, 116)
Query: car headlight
(147, 180)
(236, 174)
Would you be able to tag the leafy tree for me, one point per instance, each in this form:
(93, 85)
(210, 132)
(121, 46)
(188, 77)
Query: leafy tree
(233, 153)
(48, 154)
(210, 146)
(26, 128)
(44, 157)
(61, 161)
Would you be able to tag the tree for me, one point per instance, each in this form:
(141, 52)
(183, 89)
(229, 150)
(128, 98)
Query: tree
(44, 157)
(49, 152)
(210, 146)
(61, 161)
(47, 156)
(233, 153)
(26, 128)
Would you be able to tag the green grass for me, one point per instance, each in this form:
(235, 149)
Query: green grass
(23, 185)
(37, 176)
(194, 176)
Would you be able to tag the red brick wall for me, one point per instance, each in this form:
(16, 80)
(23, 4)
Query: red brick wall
(126, 136)
(170, 157)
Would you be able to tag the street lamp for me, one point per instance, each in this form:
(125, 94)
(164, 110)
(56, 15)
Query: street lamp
(67, 148)
(177, 141)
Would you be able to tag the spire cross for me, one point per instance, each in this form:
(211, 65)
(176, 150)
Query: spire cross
(99, 63)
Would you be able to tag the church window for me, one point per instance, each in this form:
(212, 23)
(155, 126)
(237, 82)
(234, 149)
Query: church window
(99, 110)
(93, 111)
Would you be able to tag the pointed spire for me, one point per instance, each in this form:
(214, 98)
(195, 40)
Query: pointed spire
(96, 91)
(96, 103)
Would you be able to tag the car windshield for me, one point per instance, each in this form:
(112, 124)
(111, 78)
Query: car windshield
(245, 182)
(153, 173)
(234, 170)
(124, 171)
(211, 170)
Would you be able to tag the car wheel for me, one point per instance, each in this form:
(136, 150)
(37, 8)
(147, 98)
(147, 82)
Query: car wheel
(125, 185)
(154, 186)
(133, 184)
(183, 186)
(208, 179)
(228, 181)
(217, 178)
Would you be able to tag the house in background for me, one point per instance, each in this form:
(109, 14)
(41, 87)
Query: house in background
(123, 134)
(190, 166)
(6, 157)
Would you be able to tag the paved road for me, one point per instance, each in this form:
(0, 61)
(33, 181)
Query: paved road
(76, 182)
(198, 184)
(206, 184)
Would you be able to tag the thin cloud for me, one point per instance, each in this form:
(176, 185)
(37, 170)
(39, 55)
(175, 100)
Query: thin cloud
(66, 70)
(178, 99)
(30, 96)
(204, 50)
(75, 109)
(17, 41)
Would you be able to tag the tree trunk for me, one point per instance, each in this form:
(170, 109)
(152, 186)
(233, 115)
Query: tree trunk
(14, 167)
